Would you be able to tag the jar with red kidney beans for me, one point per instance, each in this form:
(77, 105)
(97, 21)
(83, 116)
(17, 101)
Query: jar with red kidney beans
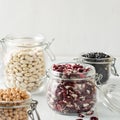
(71, 88)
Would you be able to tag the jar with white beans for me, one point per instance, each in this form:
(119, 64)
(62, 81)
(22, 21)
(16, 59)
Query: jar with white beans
(25, 61)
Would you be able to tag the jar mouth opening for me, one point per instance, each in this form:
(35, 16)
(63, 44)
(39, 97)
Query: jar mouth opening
(73, 75)
(16, 103)
(60, 75)
(26, 42)
(98, 60)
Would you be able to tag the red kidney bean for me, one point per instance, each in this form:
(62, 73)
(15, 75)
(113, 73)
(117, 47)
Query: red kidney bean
(93, 118)
(81, 115)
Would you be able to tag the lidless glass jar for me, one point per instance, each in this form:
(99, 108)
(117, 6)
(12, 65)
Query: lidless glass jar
(71, 88)
(103, 63)
(25, 61)
(18, 110)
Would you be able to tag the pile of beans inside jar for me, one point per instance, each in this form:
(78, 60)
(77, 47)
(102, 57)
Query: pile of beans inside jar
(72, 91)
(101, 62)
(11, 100)
(25, 69)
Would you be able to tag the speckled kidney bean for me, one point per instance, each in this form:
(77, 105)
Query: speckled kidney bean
(73, 91)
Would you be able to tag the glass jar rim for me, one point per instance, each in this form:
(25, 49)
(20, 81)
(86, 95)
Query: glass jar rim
(25, 41)
(106, 60)
(91, 72)
(98, 60)
(21, 103)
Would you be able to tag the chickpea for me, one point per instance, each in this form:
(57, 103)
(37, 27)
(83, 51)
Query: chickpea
(17, 113)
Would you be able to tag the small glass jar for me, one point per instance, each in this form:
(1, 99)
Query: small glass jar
(103, 63)
(19, 110)
(71, 88)
(25, 61)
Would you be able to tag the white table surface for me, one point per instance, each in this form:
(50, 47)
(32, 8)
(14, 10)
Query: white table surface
(46, 113)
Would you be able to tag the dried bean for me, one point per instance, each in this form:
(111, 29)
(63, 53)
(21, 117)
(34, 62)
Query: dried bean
(8, 104)
(93, 118)
(25, 69)
(101, 62)
(72, 95)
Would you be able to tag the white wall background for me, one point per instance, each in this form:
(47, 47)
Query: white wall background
(77, 25)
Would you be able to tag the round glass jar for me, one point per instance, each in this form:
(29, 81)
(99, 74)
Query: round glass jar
(71, 88)
(103, 63)
(25, 61)
(110, 94)
(13, 109)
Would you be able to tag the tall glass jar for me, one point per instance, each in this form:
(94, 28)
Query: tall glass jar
(25, 61)
(71, 88)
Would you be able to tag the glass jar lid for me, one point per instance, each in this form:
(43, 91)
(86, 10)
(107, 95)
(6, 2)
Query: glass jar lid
(111, 94)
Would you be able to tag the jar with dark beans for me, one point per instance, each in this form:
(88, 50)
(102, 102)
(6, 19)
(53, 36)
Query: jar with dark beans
(71, 88)
(102, 63)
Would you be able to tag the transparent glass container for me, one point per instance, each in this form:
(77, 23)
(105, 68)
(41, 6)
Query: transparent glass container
(110, 94)
(70, 92)
(19, 110)
(25, 61)
(103, 66)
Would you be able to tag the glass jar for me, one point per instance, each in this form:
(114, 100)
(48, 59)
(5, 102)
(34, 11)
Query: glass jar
(25, 61)
(71, 88)
(103, 63)
(20, 110)
(19, 107)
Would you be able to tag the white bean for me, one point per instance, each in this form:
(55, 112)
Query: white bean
(26, 67)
